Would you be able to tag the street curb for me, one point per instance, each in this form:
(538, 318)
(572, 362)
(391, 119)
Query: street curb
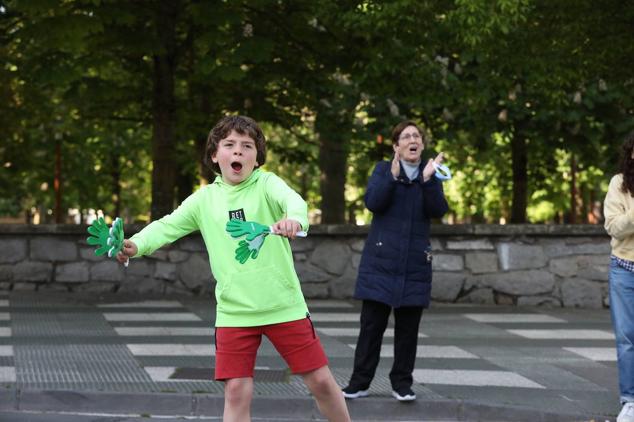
(212, 405)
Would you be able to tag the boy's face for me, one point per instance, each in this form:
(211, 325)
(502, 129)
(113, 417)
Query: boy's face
(410, 145)
(236, 156)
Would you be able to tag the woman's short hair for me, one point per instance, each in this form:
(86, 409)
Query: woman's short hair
(396, 131)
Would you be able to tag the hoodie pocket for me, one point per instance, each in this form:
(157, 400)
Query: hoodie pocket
(258, 290)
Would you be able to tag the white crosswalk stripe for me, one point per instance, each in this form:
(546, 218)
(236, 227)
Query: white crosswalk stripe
(165, 373)
(172, 349)
(144, 304)
(605, 354)
(164, 331)
(5, 331)
(440, 352)
(324, 303)
(160, 373)
(474, 378)
(569, 334)
(149, 316)
(512, 318)
(7, 374)
(354, 332)
(334, 317)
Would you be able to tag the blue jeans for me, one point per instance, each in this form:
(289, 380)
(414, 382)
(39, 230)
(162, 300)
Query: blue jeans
(622, 311)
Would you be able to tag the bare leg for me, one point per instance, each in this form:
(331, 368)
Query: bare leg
(238, 395)
(327, 393)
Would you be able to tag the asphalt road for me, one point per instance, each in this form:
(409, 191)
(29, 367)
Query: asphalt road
(85, 417)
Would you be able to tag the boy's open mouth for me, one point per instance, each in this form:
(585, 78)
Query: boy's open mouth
(236, 166)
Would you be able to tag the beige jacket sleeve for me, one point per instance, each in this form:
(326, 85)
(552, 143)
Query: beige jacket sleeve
(618, 210)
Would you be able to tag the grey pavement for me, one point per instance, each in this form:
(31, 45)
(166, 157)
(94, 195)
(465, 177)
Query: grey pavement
(91, 354)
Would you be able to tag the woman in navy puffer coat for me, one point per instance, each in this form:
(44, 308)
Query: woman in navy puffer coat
(395, 268)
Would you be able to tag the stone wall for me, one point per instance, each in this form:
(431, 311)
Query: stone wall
(543, 265)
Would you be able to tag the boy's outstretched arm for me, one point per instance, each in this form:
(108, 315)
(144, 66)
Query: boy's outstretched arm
(286, 202)
(287, 227)
(128, 250)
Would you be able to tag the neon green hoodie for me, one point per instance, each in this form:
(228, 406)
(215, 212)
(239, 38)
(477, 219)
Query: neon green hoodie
(264, 290)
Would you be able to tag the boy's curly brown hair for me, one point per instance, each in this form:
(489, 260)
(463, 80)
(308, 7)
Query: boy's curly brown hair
(244, 126)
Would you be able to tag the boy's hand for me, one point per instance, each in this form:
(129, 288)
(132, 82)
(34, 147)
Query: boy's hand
(396, 165)
(429, 169)
(287, 228)
(128, 250)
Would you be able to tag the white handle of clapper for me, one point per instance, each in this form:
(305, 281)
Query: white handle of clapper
(298, 234)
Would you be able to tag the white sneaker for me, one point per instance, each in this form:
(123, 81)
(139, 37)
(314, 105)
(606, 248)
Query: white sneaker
(353, 393)
(404, 394)
(627, 413)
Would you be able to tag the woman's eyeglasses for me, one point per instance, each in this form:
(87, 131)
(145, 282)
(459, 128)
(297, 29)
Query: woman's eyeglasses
(414, 136)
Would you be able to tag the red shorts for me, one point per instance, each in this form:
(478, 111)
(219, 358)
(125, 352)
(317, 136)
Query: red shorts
(296, 342)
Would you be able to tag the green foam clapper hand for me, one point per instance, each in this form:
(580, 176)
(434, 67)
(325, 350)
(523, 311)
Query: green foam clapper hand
(249, 248)
(116, 237)
(109, 240)
(99, 235)
(238, 228)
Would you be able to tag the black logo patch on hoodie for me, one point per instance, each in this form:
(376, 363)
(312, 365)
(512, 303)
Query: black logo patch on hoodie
(237, 215)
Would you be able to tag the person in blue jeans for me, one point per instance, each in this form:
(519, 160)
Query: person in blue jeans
(618, 209)
(395, 270)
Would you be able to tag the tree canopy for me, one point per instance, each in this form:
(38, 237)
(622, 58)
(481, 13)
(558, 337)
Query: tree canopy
(106, 104)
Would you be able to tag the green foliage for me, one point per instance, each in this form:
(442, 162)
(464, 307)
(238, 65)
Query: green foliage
(481, 21)
(328, 80)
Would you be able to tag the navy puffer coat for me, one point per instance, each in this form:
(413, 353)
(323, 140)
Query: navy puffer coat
(395, 266)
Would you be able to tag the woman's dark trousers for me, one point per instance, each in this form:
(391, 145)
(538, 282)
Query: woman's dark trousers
(374, 319)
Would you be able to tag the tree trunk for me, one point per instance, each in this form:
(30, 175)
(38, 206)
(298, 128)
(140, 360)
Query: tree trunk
(519, 160)
(303, 182)
(573, 189)
(164, 167)
(115, 173)
(584, 203)
(333, 157)
(201, 141)
(57, 182)
(184, 185)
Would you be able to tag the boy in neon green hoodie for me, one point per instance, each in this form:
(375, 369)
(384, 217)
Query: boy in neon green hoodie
(257, 289)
